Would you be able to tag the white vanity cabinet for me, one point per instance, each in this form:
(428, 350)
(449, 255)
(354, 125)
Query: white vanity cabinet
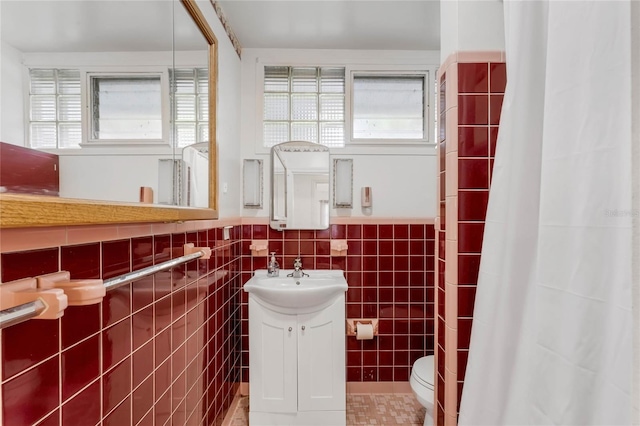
(297, 365)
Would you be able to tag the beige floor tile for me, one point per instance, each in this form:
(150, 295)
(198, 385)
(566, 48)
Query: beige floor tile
(364, 409)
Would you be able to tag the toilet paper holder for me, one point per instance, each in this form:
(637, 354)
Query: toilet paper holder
(351, 325)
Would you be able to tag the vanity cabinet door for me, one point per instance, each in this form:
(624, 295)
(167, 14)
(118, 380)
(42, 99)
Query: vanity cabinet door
(321, 359)
(272, 360)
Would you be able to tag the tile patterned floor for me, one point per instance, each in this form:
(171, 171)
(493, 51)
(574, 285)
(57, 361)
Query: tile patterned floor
(364, 409)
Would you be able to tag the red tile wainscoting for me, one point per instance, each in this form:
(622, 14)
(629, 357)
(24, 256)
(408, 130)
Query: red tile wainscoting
(471, 94)
(389, 269)
(173, 348)
(162, 350)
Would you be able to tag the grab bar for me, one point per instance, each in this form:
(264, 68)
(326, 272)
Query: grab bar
(20, 313)
(124, 279)
(17, 314)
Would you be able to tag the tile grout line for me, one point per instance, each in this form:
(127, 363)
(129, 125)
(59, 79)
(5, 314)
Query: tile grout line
(28, 369)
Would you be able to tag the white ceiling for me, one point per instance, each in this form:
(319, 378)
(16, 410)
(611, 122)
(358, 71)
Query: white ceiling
(97, 26)
(145, 25)
(335, 24)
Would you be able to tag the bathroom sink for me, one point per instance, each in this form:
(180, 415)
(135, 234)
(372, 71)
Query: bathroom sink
(318, 289)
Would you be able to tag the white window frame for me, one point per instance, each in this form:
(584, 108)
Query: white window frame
(351, 145)
(427, 102)
(87, 118)
(160, 146)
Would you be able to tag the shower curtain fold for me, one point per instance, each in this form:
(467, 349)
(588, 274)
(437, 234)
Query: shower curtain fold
(551, 336)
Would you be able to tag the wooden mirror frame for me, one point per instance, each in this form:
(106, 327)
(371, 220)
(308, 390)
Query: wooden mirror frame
(22, 211)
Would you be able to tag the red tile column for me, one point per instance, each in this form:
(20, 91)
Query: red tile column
(471, 93)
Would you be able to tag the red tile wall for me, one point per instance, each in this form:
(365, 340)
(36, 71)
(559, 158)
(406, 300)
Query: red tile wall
(389, 269)
(441, 238)
(28, 171)
(162, 350)
(480, 91)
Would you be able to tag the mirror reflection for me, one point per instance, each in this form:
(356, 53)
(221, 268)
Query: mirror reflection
(299, 186)
(194, 175)
(116, 90)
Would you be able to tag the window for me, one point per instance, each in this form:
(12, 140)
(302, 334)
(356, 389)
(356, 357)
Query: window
(304, 103)
(389, 106)
(54, 108)
(126, 107)
(191, 105)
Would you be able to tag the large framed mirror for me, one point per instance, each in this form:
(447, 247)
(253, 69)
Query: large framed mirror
(184, 145)
(299, 186)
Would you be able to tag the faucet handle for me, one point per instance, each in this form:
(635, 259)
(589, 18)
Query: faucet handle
(297, 263)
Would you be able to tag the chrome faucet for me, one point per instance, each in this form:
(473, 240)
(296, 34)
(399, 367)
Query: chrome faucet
(297, 269)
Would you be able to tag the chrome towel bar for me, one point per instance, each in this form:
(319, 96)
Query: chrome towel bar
(20, 313)
(124, 279)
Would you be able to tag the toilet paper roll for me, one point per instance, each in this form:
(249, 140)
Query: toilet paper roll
(364, 331)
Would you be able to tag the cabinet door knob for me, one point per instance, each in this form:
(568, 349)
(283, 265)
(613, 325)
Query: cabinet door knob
(303, 327)
(290, 328)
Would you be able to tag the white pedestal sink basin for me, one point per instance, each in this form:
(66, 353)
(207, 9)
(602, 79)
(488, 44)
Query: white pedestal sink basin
(305, 294)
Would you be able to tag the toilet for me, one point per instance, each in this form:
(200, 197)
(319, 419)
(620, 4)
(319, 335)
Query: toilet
(422, 379)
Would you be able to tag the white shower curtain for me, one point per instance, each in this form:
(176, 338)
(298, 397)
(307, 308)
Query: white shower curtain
(551, 338)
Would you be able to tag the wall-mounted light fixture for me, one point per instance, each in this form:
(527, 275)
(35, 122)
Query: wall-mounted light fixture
(252, 185)
(343, 183)
(366, 197)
